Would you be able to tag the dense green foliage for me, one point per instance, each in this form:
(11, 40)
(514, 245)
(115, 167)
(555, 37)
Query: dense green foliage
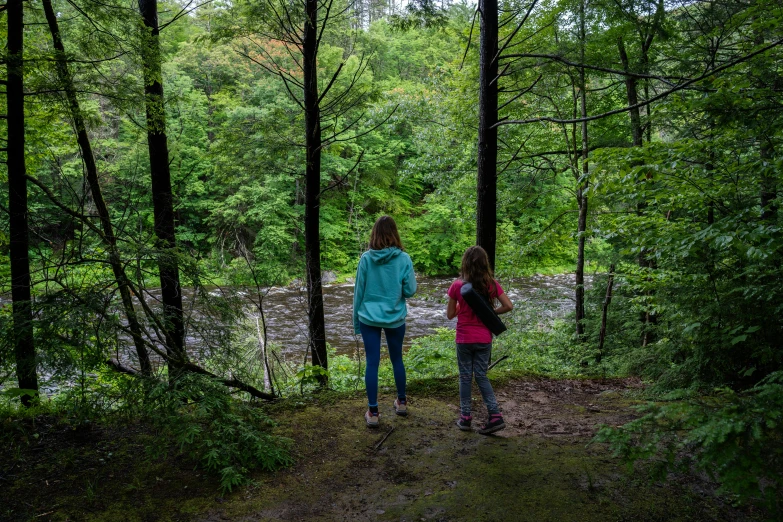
(225, 436)
(735, 437)
(198, 420)
(683, 199)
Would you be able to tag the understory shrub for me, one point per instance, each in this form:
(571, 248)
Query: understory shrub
(735, 437)
(225, 436)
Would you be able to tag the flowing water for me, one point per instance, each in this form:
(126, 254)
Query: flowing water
(285, 314)
(285, 309)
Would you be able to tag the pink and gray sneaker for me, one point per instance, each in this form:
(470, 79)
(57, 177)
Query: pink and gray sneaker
(463, 422)
(493, 424)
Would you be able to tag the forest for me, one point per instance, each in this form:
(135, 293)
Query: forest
(172, 166)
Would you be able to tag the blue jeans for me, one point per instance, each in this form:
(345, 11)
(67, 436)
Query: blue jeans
(473, 359)
(371, 335)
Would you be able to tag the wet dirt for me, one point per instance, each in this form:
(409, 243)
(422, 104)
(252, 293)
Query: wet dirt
(419, 467)
(540, 467)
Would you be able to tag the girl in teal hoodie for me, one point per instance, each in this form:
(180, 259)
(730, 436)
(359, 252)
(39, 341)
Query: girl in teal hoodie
(384, 280)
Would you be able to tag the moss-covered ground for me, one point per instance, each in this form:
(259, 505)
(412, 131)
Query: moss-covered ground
(541, 467)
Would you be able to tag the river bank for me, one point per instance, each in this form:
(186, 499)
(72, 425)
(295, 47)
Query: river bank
(284, 319)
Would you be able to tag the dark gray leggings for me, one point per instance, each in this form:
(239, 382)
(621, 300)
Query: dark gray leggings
(473, 360)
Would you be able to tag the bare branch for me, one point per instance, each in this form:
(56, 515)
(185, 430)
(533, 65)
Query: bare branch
(64, 208)
(342, 179)
(470, 37)
(331, 82)
(560, 59)
(515, 31)
(184, 11)
(657, 97)
(522, 92)
(333, 140)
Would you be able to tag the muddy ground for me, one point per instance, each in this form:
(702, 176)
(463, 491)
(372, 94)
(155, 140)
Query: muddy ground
(540, 467)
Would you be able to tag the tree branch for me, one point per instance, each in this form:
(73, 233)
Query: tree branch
(560, 59)
(657, 97)
(230, 383)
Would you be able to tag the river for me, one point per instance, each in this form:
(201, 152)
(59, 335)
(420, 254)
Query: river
(286, 312)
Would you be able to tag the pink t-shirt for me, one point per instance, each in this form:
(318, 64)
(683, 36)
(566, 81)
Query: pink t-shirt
(470, 329)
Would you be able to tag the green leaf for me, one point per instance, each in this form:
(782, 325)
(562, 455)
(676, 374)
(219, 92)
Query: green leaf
(18, 392)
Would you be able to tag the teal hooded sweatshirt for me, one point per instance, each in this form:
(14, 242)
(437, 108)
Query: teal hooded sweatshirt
(384, 280)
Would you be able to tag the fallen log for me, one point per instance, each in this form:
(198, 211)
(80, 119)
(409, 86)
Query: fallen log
(190, 367)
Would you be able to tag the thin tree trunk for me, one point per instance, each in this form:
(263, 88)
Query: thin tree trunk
(162, 197)
(486, 207)
(768, 189)
(24, 345)
(315, 300)
(607, 302)
(710, 168)
(632, 96)
(92, 179)
(646, 317)
(581, 192)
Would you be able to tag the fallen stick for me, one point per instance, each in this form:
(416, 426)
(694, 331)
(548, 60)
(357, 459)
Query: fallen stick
(384, 438)
(53, 509)
(231, 383)
(494, 363)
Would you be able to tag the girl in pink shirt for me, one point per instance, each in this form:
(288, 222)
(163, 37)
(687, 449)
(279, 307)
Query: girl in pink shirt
(474, 340)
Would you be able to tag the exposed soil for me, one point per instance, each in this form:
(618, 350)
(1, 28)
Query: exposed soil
(539, 468)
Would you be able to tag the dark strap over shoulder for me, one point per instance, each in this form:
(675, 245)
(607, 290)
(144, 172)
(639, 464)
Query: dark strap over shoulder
(482, 308)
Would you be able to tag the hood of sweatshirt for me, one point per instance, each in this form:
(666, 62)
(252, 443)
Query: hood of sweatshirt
(384, 255)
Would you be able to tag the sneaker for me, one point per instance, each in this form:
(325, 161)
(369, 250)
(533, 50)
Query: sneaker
(372, 419)
(401, 407)
(463, 422)
(493, 424)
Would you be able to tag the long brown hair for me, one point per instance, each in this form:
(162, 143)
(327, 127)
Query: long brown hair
(476, 271)
(384, 234)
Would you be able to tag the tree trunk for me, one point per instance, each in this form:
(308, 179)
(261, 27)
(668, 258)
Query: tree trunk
(581, 191)
(646, 317)
(768, 189)
(162, 198)
(315, 309)
(24, 346)
(92, 179)
(632, 96)
(486, 207)
(604, 313)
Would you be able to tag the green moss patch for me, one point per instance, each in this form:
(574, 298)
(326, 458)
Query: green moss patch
(541, 467)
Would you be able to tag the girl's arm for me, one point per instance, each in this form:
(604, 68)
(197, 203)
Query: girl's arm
(358, 295)
(505, 304)
(452, 308)
(409, 281)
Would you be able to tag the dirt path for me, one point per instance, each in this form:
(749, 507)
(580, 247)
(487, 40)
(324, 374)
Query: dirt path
(539, 468)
